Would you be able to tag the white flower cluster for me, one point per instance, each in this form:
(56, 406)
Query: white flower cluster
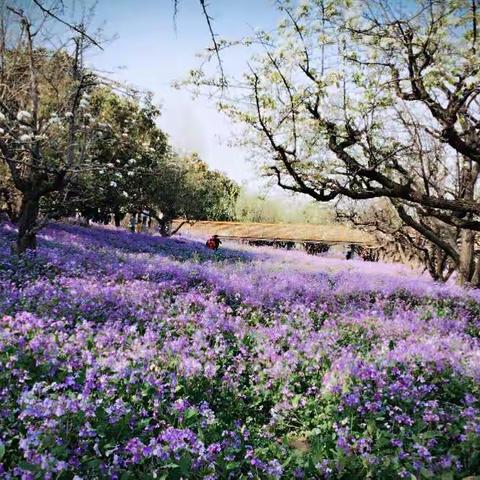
(84, 101)
(54, 119)
(25, 138)
(24, 116)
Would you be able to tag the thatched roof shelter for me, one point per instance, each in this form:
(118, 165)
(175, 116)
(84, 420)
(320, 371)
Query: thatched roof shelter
(330, 234)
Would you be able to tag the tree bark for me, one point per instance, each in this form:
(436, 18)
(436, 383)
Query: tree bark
(467, 257)
(118, 217)
(466, 268)
(476, 275)
(27, 235)
(165, 226)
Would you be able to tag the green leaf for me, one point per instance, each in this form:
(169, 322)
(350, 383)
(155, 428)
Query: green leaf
(2, 450)
(185, 464)
(90, 343)
(94, 463)
(28, 466)
(426, 473)
(447, 476)
(296, 400)
(190, 413)
(232, 465)
(371, 427)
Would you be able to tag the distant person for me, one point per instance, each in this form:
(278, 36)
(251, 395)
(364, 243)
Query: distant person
(145, 221)
(213, 243)
(132, 223)
(350, 253)
(139, 224)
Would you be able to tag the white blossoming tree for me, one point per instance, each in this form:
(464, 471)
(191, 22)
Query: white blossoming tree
(45, 125)
(127, 155)
(361, 99)
(135, 170)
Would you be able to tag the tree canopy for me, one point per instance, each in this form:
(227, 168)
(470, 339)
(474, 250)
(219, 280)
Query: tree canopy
(72, 141)
(365, 100)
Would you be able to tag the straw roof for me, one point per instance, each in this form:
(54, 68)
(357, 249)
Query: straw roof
(333, 233)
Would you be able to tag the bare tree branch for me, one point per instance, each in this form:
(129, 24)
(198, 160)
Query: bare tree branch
(80, 30)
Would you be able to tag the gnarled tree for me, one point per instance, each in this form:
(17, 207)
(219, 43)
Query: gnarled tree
(371, 99)
(45, 125)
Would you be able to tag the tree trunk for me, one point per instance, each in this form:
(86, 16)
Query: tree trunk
(476, 274)
(118, 217)
(467, 257)
(466, 268)
(27, 236)
(165, 225)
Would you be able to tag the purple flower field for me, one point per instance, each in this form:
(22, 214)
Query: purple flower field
(128, 356)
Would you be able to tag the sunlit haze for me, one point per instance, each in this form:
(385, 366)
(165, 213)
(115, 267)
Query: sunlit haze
(151, 51)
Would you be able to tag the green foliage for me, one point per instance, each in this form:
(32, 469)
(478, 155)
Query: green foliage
(126, 154)
(252, 207)
(188, 189)
(133, 168)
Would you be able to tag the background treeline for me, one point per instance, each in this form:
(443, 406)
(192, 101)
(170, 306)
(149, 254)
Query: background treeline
(255, 207)
(136, 170)
(131, 168)
(75, 143)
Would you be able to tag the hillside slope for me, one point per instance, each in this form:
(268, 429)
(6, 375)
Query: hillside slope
(132, 356)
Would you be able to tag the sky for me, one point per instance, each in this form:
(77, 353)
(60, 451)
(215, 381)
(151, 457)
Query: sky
(150, 53)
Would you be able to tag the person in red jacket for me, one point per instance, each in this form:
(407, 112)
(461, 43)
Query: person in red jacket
(213, 243)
